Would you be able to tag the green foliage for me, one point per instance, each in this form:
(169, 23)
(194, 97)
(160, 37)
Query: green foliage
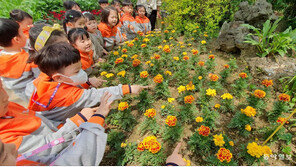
(149, 124)
(270, 42)
(209, 116)
(115, 138)
(239, 121)
(282, 134)
(122, 119)
(146, 158)
(145, 101)
(185, 15)
(279, 107)
(239, 87)
(199, 144)
(162, 90)
(172, 134)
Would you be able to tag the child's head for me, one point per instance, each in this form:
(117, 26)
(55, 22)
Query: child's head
(73, 19)
(117, 5)
(61, 62)
(127, 6)
(110, 16)
(91, 22)
(11, 34)
(71, 5)
(22, 18)
(80, 39)
(141, 10)
(103, 4)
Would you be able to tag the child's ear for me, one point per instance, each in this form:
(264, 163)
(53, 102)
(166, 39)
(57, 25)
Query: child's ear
(69, 24)
(16, 40)
(56, 77)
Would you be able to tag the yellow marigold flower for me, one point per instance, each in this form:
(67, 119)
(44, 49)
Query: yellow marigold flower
(198, 119)
(212, 57)
(159, 47)
(143, 45)
(188, 99)
(148, 62)
(119, 60)
(203, 42)
(213, 77)
(184, 53)
(257, 151)
(122, 106)
(135, 56)
(141, 147)
(171, 120)
(194, 52)
(192, 38)
(151, 65)
(231, 143)
(182, 46)
(219, 140)
(163, 106)
(217, 106)
(266, 150)
(267, 83)
(173, 31)
(155, 147)
(181, 89)
(116, 53)
(121, 73)
(248, 127)
(259, 93)
(123, 145)
(164, 41)
(130, 44)
(144, 74)
(211, 92)
(176, 58)
(197, 26)
(249, 111)
(181, 43)
(109, 75)
(146, 40)
(167, 49)
(227, 96)
(190, 86)
(189, 44)
(185, 58)
(206, 35)
(162, 22)
(170, 100)
(150, 113)
(104, 73)
(171, 38)
(168, 73)
(195, 31)
(201, 63)
(243, 75)
(224, 155)
(158, 78)
(124, 50)
(188, 163)
(124, 55)
(284, 97)
(200, 77)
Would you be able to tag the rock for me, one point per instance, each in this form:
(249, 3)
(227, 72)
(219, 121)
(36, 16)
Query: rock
(267, 68)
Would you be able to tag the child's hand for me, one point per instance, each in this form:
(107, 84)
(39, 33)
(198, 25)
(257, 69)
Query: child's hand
(124, 38)
(96, 82)
(105, 106)
(101, 60)
(105, 52)
(136, 89)
(88, 112)
(175, 157)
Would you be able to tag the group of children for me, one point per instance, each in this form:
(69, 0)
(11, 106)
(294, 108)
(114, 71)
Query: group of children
(49, 67)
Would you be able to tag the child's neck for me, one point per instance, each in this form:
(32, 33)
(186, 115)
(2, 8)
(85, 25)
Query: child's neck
(12, 49)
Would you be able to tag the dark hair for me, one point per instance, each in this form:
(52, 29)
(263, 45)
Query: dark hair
(89, 16)
(53, 58)
(140, 6)
(8, 30)
(76, 33)
(106, 13)
(34, 33)
(71, 16)
(103, 1)
(68, 5)
(116, 2)
(19, 15)
(126, 3)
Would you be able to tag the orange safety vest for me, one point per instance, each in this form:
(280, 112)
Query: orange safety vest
(87, 59)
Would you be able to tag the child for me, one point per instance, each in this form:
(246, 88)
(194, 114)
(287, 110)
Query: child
(15, 71)
(73, 19)
(142, 20)
(95, 35)
(129, 24)
(117, 5)
(103, 4)
(57, 95)
(87, 148)
(23, 19)
(80, 39)
(110, 29)
(71, 5)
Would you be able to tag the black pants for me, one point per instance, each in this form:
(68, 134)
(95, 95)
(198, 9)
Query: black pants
(152, 19)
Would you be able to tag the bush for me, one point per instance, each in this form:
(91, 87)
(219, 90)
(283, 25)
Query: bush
(186, 15)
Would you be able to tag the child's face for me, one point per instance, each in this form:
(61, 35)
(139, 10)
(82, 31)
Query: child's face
(80, 23)
(8, 154)
(125, 9)
(83, 44)
(92, 26)
(117, 7)
(77, 8)
(26, 24)
(20, 40)
(104, 5)
(141, 12)
(113, 18)
(67, 72)
(3, 100)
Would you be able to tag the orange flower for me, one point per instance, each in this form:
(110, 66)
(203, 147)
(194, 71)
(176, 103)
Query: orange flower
(167, 49)
(156, 56)
(144, 74)
(141, 147)
(143, 45)
(204, 130)
(224, 155)
(194, 52)
(136, 62)
(212, 57)
(267, 83)
(122, 106)
(189, 99)
(140, 33)
(166, 31)
(259, 93)
(155, 147)
(124, 50)
(150, 113)
(213, 77)
(226, 66)
(171, 120)
(130, 44)
(284, 97)
(201, 63)
(185, 58)
(243, 75)
(281, 120)
(119, 60)
(158, 78)
(136, 39)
